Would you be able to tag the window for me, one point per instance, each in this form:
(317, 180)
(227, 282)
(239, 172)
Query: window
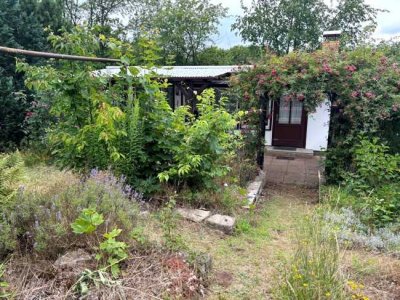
(290, 112)
(268, 115)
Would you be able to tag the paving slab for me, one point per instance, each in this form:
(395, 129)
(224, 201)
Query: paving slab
(222, 222)
(195, 215)
(299, 170)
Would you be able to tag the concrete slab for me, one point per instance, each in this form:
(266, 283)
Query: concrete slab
(195, 215)
(221, 222)
(302, 170)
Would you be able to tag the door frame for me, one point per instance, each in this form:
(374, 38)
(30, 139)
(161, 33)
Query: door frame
(304, 123)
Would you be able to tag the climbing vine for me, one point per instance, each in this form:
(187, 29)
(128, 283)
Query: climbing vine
(362, 85)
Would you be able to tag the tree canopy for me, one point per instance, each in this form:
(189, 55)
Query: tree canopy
(184, 27)
(285, 25)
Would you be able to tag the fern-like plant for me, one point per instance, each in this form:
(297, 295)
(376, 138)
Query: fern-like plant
(10, 173)
(11, 167)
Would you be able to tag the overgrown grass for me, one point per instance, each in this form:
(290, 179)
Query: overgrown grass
(314, 270)
(251, 255)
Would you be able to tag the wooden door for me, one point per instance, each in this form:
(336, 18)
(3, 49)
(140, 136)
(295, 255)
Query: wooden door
(290, 124)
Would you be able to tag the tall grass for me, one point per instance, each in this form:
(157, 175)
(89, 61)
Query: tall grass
(313, 272)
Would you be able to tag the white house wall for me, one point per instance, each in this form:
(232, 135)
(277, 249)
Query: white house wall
(318, 128)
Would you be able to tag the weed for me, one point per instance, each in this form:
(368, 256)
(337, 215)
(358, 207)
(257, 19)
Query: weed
(113, 250)
(87, 221)
(4, 292)
(242, 226)
(313, 272)
(88, 277)
(168, 219)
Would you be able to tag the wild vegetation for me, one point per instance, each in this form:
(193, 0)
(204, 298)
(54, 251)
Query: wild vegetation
(88, 202)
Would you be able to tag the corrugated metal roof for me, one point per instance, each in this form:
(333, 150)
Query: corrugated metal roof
(332, 33)
(181, 71)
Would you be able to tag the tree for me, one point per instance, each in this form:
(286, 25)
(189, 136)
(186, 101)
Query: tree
(19, 28)
(101, 12)
(51, 14)
(285, 25)
(185, 27)
(355, 18)
(237, 55)
(142, 15)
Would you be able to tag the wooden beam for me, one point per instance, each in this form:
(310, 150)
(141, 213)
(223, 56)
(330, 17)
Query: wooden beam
(57, 55)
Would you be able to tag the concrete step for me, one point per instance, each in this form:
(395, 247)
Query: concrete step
(288, 152)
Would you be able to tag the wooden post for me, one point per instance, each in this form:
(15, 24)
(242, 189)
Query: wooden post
(56, 55)
(261, 132)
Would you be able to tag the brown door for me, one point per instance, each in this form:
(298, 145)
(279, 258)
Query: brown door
(290, 124)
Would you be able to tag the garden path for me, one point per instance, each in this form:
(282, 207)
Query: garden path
(245, 264)
(292, 169)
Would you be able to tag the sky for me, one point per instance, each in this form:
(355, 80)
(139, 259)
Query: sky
(388, 23)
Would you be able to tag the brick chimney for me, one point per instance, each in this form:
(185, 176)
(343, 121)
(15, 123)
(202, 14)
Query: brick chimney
(331, 40)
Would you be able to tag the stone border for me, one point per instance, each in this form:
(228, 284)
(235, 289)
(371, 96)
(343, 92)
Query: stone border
(221, 222)
(255, 188)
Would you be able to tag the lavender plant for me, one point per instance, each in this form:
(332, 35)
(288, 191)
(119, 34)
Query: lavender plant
(353, 232)
(41, 223)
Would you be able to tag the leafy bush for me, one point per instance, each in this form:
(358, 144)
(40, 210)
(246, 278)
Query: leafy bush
(41, 222)
(372, 187)
(373, 166)
(376, 209)
(125, 122)
(207, 144)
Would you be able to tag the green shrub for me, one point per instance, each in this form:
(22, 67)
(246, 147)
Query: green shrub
(378, 208)
(42, 221)
(207, 144)
(373, 166)
(372, 187)
(124, 122)
(382, 207)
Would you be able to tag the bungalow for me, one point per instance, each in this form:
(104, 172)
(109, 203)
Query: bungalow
(287, 125)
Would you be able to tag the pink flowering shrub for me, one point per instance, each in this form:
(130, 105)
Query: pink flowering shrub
(363, 84)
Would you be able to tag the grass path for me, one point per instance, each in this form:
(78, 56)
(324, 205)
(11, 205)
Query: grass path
(244, 265)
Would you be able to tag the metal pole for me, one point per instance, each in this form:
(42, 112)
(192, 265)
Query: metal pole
(56, 55)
